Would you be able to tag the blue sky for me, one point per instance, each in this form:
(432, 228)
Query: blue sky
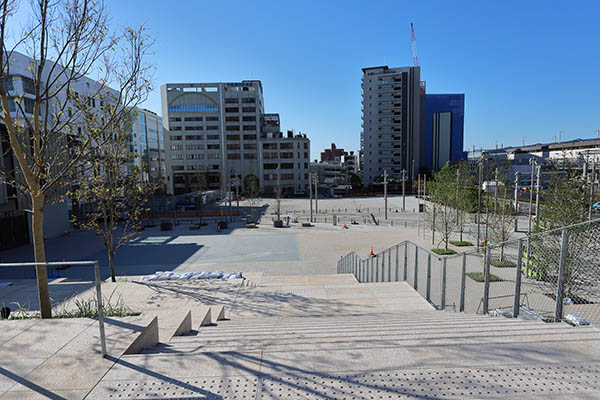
(527, 68)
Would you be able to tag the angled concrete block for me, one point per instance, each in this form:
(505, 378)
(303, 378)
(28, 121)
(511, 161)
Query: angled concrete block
(220, 313)
(148, 338)
(185, 326)
(206, 320)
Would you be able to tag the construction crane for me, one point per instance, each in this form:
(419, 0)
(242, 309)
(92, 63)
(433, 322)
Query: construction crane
(413, 43)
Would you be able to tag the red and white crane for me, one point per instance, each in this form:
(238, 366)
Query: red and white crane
(413, 43)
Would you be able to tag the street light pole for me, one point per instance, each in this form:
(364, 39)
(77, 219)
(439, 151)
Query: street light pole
(317, 192)
(403, 190)
(385, 182)
(533, 163)
(516, 201)
(537, 195)
(310, 183)
(480, 167)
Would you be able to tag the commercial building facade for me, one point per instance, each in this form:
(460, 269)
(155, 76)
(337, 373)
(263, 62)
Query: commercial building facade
(221, 130)
(444, 130)
(391, 122)
(147, 143)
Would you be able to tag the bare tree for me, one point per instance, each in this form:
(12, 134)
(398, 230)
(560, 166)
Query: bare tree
(55, 127)
(113, 190)
(443, 215)
(252, 190)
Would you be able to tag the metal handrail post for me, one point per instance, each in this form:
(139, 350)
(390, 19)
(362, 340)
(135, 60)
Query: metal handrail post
(376, 268)
(560, 288)
(486, 284)
(389, 265)
(397, 261)
(416, 268)
(519, 272)
(100, 308)
(405, 260)
(428, 283)
(443, 300)
(463, 274)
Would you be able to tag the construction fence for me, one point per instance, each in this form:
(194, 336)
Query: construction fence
(553, 275)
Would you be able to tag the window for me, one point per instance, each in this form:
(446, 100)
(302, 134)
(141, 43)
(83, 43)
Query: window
(212, 137)
(232, 119)
(249, 100)
(270, 146)
(250, 156)
(194, 146)
(28, 86)
(249, 146)
(175, 128)
(232, 128)
(233, 137)
(306, 145)
(191, 119)
(176, 156)
(232, 109)
(287, 177)
(213, 146)
(248, 109)
(174, 119)
(212, 128)
(176, 147)
(305, 165)
(232, 101)
(249, 137)
(193, 137)
(305, 155)
(177, 167)
(212, 118)
(287, 155)
(249, 127)
(233, 156)
(233, 146)
(287, 166)
(213, 156)
(267, 177)
(9, 84)
(270, 156)
(193, 128)
(285, 146)
(249, 118)
(174, 138)
(270, 166)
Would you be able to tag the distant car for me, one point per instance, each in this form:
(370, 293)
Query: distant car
(596, 206)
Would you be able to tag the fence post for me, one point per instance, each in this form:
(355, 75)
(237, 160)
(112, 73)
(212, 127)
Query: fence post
(383, 266)
(416, 268)
(376, 268)
(461, 307)
(517, 302)
(100, 310)
(560, 289)
(443, 300)
(428, 282)
(397, 261)
(486, 283)
(389, 265)
(405, 260)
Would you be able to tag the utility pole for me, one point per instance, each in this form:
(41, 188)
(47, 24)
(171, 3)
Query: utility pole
(310, 183)
(516, 201)
(533, 163)
(278, 195)
(592, 183)
(385, 182)
(403, 190)
(496, 190)
(480, 167)
(317, 192)
(537, 195)
(456, 200)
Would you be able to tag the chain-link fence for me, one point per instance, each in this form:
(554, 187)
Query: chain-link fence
(551, 275)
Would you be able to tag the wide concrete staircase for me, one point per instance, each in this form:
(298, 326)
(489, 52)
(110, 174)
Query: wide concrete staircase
(329, 337)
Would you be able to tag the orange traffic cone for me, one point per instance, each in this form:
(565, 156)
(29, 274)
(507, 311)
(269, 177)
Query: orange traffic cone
(371, 253)
(345, 227)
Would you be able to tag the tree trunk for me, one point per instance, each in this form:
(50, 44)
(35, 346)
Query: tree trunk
(111, 262)
(39, 251)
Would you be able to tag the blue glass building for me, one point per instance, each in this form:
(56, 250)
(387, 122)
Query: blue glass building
(444, 130)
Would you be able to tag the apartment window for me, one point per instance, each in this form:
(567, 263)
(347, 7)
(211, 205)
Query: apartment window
(249, 127)
(176, 147)
(193, 137)
(232, 101)
(194, 156)
(248, 109)
(193, 128)
(267, 177)
(212, 118)
(193, 119)
(233, 146)
(232, 109)
(270, 166)
(233, 156)
(232, 119)
(177, 167)
(249, 146)
(270, 156)
(305, 155)
(305, 165)
(250, 156)
(213, 156)
(285, 146)
(194, 146)
(212, 137)
(233, 137)
(249, 137)
(213, 146)
(174, 138)
(212, 128)
(249, 100)
(174, 119)
(29, 105)
(287, 177)
(176, 156)
(306, 145)
(287, 155)
(9, 84)
(28, 85)
(270, 146)
(287, 166)
(249, 118)
(305, 176)
(232, 128)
